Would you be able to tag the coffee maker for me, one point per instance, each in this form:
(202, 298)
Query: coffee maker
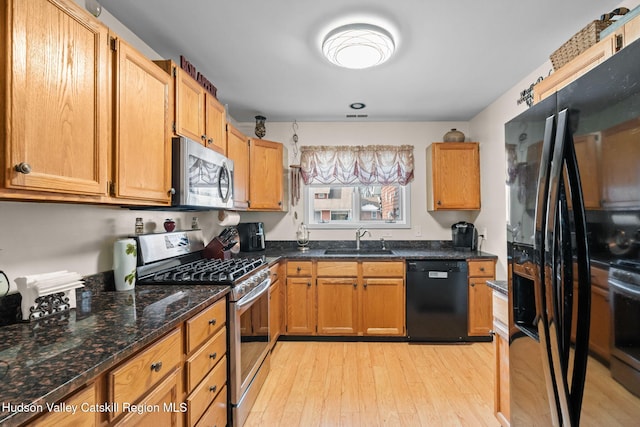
(251, 236)
(464, 236)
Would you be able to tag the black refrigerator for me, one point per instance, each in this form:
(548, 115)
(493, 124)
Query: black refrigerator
(573, 180)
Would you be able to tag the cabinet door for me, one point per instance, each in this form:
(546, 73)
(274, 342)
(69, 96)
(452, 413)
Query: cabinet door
(587, 153)
(238, 151)
(632, 31)
(600, 326)
(337, 306)
(86, 396)
(300, 302)
(265, 179)
(57, 115)
(275, 308)
(167, 398)
(455, 176)
(480, 314)
(620, 159)
(215, 124)
(190, 104)
(501, 403)
(383, 306)
(142, 135)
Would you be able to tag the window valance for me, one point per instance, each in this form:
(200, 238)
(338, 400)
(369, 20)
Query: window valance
(371, 164)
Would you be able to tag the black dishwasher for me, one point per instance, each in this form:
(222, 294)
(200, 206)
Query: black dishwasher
(437, 300)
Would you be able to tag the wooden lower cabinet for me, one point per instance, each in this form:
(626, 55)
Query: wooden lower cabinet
(480, 294)
(501, 353)
(85, 396)
(300, 302)
(347, 298)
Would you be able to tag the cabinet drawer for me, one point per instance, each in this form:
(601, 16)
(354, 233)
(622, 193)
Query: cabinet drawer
(206, 392)
(528, 269)
(203, 325)
(482, 268)
(599, 277)
(299, 268)
(275, 273)
(383, 269)
(216, 413)
(337, 269)
(500, 308)
(86, 396)
(206, 358)
(143, 371)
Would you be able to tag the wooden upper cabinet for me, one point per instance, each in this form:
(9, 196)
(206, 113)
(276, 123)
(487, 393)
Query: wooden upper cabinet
(588, 152)
(265, 180)
(238, 151)
(54, 66)
(142, 135)
(453, 176)
(198, 114)
(620, 158)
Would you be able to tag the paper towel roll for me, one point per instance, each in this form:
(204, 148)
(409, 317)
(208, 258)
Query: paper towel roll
(124, 264)
(226, 218)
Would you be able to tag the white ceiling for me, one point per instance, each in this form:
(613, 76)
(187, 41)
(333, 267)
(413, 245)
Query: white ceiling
(453, 57)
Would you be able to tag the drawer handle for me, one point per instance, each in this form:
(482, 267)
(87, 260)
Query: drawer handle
(481, 268)
(213, 355)
(212, 322)
(472, 285)
(213, 388)
(298, 269)
(355, 285)
(155, 367)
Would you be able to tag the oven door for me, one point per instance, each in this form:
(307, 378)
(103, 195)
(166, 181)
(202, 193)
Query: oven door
(249, 338)
(624, 299)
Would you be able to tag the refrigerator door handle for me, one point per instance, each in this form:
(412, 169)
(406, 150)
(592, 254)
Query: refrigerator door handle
(540, 221)
(559, 282)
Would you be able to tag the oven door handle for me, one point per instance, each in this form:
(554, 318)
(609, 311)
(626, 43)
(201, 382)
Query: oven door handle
(256, 293)
(623, 287)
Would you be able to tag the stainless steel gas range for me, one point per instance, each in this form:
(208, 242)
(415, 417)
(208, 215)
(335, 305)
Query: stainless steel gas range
(178, 259)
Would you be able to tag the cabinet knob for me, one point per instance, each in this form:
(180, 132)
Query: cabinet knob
(355, 285)
(481, 268)
(212, 322)
(492, 332)
(213, 388)
(298, 269)
(309, 284)
(210, 141)
(23, 167)
(472, 285)
(172, 191)
(213, 355)
(365, 284)
(439, 203)
(203, 137)
(156, 366)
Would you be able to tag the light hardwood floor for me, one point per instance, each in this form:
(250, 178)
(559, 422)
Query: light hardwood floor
(377, 384)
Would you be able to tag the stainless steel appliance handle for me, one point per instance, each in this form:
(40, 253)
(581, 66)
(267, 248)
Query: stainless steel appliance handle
(255, 293)
(224, 176)
(625, 288)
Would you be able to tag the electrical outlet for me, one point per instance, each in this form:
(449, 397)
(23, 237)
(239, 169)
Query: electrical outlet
(418, 229)
(484, 232)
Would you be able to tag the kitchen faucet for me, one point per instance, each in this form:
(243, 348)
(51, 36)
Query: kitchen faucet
(359, 233)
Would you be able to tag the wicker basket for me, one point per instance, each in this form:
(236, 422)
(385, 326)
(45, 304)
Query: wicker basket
(577, 44)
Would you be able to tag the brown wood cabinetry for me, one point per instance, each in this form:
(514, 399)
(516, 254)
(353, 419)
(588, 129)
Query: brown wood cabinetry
(84, 396)
(198, 115)
(620, 172)
(453, 176)
(501, 353)
(300, 298)
(276, 298)
(55, 120)
(588, 152)
(352, 298)
(266, 191)
(238, 151)
(600, 326)
(596, 54)
(142, 135)
(480, 297)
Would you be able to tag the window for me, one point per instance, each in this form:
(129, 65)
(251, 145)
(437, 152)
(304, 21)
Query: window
(349, 206)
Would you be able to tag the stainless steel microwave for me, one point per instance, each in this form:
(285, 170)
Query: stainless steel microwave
(202, 178)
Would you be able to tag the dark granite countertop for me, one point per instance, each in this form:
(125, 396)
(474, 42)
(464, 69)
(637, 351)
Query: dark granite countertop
(400, 250)
(42, 361)
(499, 285)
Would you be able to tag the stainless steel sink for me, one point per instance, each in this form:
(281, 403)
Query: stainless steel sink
(354, 251)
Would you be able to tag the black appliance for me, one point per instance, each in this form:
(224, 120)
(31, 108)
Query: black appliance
(437, 300)
(251, 236)
(573, 163)
(464, 236)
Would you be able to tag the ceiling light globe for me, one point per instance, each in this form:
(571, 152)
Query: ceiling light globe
(358, 46)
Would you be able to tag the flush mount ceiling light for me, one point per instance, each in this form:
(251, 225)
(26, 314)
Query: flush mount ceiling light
(358, 46)
(357, 105)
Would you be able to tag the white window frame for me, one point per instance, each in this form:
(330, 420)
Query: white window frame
(405, 197)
